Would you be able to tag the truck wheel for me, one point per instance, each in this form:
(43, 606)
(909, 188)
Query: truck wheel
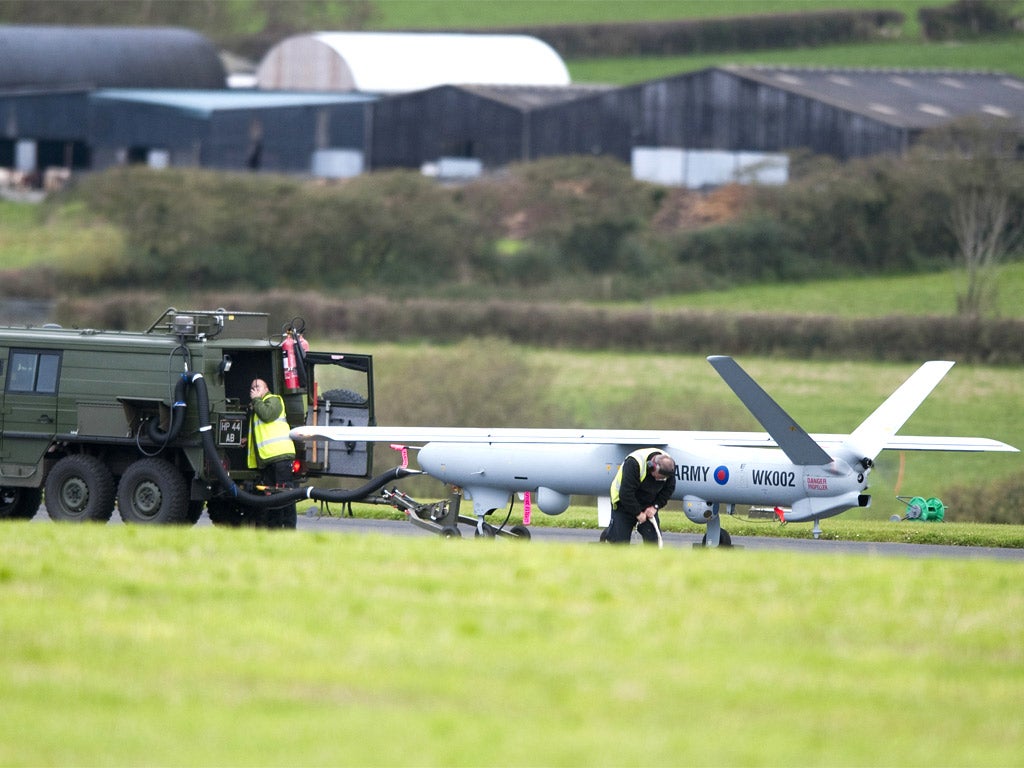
(195, 511)
(20, 503)
(224, 512)
(343, 397)
(80, 488)
(152, 491)
(235, 514)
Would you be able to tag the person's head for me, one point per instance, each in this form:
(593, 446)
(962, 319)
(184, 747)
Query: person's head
(662, 466)
(258, 389)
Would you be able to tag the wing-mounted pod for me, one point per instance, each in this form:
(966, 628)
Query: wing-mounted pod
(699, 510)
(552, 502)
(704, 512)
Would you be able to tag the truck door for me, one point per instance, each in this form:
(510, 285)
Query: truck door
(340, 394)
(31, 378)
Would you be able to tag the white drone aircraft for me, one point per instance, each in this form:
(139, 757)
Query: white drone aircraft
(804, 477)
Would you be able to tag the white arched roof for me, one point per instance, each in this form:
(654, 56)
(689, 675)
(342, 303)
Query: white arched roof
(392, 62)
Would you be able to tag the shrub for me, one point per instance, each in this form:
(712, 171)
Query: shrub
(707, 35)
(967, 19)
(997, 502)
(753, 249)
(190, 227)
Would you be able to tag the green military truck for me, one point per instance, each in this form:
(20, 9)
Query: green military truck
(154, 422)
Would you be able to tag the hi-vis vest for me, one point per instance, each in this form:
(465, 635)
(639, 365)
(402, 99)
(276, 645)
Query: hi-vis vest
(270, 439)
(641, 456)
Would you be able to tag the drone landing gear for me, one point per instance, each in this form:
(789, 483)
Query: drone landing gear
(716, 535)
(443, 518)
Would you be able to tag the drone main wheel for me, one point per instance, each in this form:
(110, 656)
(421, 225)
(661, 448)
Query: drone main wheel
(724, 540)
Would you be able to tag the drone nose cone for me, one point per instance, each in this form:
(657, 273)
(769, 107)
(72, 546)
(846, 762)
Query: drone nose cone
(457, 463)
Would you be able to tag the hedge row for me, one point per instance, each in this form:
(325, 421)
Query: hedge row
(967, 19)
(712, 35)
(896, 338)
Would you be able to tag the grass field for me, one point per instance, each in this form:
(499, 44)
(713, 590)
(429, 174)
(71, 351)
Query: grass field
(200, 647)
(908, 51)
(70, 240)
(990, 55)
(875, 296)
(436, 14)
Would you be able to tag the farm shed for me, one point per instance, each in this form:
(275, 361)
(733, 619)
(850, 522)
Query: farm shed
(396, 62)
(844, 113)
(488, 123)
(41, 57)
(841, 112)
(40, 129)
(280, 132)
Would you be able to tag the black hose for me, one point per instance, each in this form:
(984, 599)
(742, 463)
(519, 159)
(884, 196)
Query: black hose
(279, 498)
(153, 431)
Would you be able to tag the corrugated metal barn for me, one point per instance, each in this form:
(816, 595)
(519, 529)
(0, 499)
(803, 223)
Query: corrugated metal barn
(107, 57)
(841, 112)
(844, 113)
(319, 133)
(43, 129)
(489, 123)
(175, 118)
(233, 130)
(47, 74)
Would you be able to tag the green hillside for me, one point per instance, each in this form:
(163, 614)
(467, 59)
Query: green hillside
(439, 14)
(908, 51)
(925, 294)
(990, 55)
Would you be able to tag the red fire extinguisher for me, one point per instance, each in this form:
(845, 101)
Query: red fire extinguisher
(293, 357)
(289, 358)
(291, 373)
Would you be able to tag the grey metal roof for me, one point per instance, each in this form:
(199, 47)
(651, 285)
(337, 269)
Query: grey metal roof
(906, 98)
(107, 57)
(527, 97)
(204, 103)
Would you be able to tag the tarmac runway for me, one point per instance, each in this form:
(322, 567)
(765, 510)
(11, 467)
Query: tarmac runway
(357, 526)
(541, 535)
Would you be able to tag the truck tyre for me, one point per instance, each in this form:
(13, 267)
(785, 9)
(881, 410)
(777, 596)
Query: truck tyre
(195, 511)
(20, 503)
(152, 491)
(343, 397)
(224, 512)
(80, 488)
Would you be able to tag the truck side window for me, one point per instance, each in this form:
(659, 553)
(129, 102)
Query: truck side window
(36, 372)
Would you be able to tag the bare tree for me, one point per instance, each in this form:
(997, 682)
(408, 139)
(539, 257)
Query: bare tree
(986, 215)
(985, 233)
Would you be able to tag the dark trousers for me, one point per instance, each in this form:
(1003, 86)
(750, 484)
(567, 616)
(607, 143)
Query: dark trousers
(279, 475)
(620, 530)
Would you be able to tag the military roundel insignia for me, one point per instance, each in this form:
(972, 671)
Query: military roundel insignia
(722, 475)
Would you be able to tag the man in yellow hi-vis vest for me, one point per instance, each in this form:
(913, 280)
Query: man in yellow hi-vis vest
(270, 448)
(643, 485)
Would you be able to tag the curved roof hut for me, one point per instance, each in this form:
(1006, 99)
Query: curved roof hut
(395, 62)
(107, 57)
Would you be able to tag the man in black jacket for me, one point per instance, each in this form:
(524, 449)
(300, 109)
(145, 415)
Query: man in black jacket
(644, 483)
